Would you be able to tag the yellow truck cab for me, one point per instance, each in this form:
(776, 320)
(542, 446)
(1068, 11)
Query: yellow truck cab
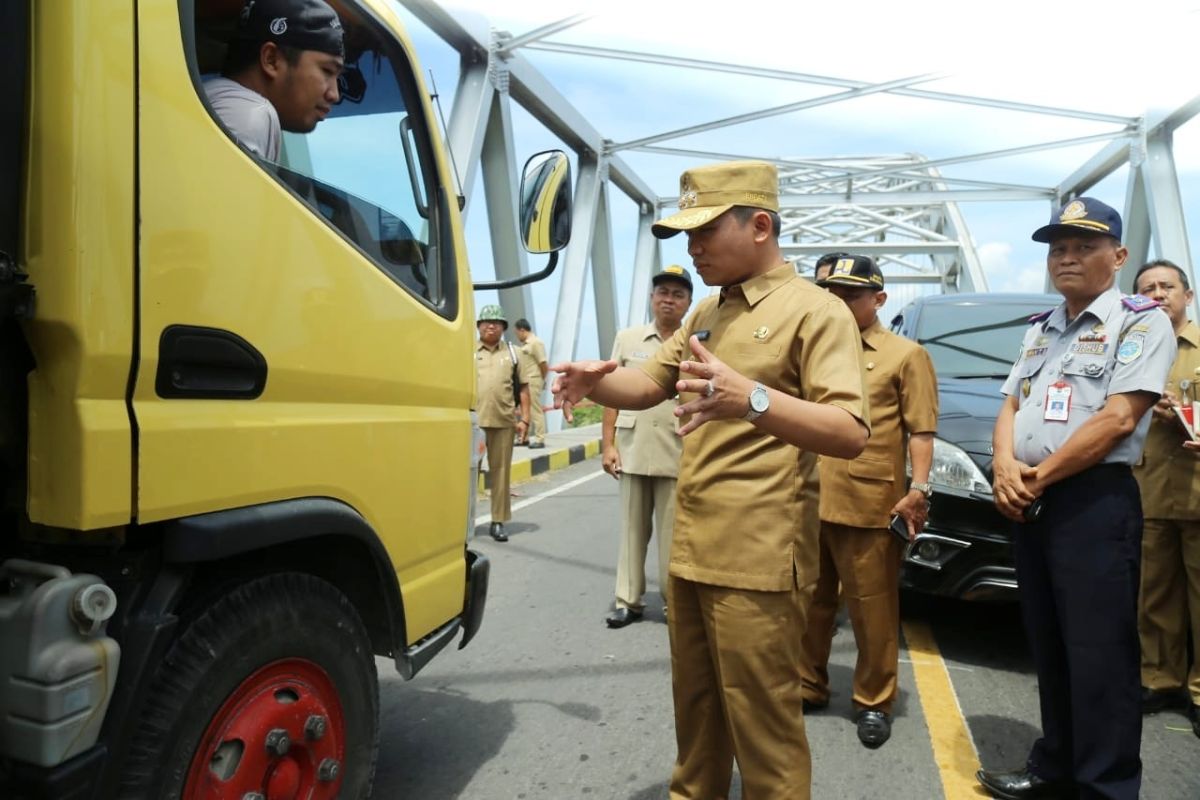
(237, 447)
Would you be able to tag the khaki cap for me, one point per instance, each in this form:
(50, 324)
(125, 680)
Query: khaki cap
(706, 193)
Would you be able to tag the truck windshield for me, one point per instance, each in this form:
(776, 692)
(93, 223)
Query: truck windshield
(973, 340)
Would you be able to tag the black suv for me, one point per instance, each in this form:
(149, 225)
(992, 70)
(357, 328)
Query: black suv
(966, 548)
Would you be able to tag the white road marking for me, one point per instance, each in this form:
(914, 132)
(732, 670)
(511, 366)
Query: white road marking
(483, 519)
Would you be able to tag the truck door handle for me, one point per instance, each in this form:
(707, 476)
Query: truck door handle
(208, 364)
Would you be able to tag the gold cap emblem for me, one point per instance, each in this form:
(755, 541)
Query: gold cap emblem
(1074, 210)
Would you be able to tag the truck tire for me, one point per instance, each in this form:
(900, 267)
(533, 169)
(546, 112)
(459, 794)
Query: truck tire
(270, 691)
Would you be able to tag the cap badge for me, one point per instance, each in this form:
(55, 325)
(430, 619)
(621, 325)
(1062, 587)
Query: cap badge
(687, 192)
(843, 266)
(1074, 210)
(762, 332)
(279, 26)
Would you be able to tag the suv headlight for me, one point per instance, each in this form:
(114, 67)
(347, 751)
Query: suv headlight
(954, 469)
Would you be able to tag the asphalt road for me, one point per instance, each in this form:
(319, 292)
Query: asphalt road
(547, 702)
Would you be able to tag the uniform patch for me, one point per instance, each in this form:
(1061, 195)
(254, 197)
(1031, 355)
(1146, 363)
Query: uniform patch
(1130, 349)
(639, 354)
(1035, 352)
(1138, 303)
(1089, 348)
(762, 332)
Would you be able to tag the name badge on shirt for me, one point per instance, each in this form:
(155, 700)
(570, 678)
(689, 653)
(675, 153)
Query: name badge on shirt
(1058, 402)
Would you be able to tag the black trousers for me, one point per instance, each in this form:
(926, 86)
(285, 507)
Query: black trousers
(1077, 568)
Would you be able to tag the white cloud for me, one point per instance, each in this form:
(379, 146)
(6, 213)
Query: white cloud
(1003, 276)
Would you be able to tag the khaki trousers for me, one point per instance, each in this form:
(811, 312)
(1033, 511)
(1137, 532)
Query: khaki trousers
(1169, 603)
(537, 417)
(499, 456)
(649, 504)
(735, 658)
(867, 561)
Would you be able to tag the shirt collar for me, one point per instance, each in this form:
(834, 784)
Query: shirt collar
(1100, 308)
(1191, 334)
(873, 334)
(758, 287)
(650, 332)
(479, 345)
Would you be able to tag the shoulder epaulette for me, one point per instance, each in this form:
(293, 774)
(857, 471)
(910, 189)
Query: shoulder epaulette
(1042, 317)
(1138, 303)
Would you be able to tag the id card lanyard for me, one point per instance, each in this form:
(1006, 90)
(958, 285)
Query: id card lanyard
(1058, 395)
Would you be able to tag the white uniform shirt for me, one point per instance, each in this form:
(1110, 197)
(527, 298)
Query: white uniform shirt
(1108, 349)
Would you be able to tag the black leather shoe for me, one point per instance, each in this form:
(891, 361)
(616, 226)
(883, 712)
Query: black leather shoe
(536, 445)
(622, 617)
(1155, 700)
(874, 727)
(1194, 714)
(814, 705)
(1023, 785)
(496, 531)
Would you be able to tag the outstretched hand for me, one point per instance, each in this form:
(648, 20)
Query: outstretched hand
(723, 392)
(575, 381)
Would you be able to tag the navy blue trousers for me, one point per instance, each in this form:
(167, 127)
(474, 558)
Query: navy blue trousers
(1077, 568)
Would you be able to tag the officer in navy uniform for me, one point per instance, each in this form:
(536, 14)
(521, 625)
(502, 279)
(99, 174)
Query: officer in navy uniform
(1074, 422)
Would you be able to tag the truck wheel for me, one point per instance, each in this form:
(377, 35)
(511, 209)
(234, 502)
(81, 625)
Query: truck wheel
(269, 693)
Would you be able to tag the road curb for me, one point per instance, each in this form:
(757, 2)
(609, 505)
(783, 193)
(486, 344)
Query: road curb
(527, 469)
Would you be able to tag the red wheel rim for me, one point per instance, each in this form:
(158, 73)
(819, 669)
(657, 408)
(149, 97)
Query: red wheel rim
(243, 751)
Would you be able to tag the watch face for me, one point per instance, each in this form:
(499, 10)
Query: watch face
(758, 400)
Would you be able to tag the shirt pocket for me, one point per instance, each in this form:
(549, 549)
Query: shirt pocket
(872, 469)
(759, 362)
(1087, 376)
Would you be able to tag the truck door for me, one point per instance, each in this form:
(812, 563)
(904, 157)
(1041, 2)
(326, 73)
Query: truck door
(302, 328)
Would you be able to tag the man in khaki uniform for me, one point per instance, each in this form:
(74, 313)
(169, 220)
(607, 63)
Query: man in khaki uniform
(534, 350)
(770, 372)
(1169, 478)
(644, 453)
(858, 499)
(496, 363)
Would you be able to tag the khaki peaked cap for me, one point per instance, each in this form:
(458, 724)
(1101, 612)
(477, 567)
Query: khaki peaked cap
(706, 193)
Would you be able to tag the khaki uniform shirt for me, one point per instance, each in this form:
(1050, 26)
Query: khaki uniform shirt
(746, 503)
(494, 367)
(535, 348)
(1169, 475)
(646, 439)
(902, 394)
(1108, 349)
(529, 369)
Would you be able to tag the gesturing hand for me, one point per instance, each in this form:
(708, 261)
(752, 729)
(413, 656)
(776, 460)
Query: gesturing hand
(724, 393)
(576, 381)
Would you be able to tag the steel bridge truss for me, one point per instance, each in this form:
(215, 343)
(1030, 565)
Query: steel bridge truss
(902, 209)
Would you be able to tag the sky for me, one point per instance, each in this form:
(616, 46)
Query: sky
(1104, 57)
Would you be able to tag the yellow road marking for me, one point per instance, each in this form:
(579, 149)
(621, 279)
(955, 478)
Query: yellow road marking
(953, 749)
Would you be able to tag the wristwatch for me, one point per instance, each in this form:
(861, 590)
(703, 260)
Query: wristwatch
(923, 488)
(760, 401)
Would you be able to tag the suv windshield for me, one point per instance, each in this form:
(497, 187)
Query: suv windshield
(974, 340)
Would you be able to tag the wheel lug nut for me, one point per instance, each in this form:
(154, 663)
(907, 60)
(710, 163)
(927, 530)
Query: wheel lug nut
(278, 742)
(314, 727)
(328, 771)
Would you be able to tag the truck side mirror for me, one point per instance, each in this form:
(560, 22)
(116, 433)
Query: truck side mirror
(546, 202)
